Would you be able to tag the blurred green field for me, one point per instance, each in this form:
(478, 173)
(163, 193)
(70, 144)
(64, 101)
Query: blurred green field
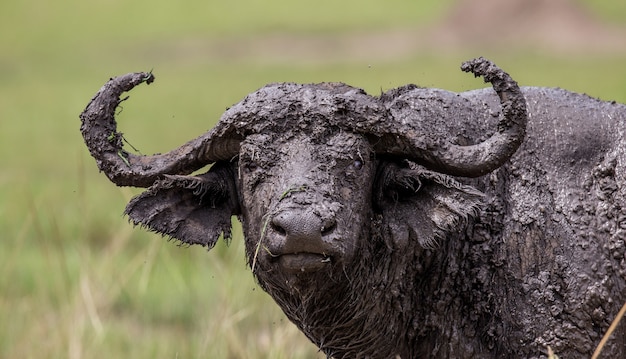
(77, 280)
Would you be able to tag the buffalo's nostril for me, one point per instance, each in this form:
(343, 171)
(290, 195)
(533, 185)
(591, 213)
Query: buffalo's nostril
(278, 228)
(282, 223)
(329, 227)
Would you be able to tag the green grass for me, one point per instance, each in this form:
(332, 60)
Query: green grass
(611, 11)
(78, 281)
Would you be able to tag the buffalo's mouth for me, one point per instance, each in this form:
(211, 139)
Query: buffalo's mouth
(304, 262)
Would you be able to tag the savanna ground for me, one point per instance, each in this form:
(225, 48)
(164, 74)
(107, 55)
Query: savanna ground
(77, 280)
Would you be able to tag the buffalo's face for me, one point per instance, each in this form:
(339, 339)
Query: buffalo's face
(306, 184)
(306, 199)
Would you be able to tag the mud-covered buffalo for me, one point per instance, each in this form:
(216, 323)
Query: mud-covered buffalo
(418, 223)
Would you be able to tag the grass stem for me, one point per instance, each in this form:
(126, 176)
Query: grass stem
(607, 335)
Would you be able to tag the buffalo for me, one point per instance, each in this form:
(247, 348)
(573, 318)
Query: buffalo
(419, 223)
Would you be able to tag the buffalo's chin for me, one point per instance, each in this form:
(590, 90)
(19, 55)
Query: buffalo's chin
(304, 262)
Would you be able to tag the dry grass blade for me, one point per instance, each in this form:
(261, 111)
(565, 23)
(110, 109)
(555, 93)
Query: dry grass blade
(551, 354)
(258, 245)
(608, 333)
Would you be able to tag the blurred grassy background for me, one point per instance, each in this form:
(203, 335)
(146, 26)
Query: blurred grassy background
(77, 280)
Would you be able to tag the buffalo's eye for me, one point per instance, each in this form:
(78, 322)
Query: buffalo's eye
(358, 164)
(251, 166)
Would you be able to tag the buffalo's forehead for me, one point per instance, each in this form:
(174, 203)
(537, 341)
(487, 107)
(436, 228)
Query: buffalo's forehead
(311, 143)
(280, 107)
(293, 160)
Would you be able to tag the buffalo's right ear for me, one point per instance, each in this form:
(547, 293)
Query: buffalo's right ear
(192, 209)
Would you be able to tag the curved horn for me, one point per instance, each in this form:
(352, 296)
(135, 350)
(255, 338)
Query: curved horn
(99, 130)
(411, 139)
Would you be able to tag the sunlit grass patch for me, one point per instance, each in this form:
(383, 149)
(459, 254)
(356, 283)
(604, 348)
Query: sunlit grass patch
(120, 299)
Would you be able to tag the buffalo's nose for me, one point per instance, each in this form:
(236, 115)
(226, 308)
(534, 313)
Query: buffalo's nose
(302, 226)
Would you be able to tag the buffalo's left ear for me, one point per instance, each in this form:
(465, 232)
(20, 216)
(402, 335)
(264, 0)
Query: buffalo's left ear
(418, 204)
(192, 209)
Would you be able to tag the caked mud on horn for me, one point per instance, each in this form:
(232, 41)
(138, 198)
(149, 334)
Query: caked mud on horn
(99, 129)
(405, 138)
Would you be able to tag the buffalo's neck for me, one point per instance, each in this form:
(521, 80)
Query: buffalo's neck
(391, 302)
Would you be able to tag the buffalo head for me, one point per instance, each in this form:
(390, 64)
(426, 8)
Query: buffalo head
(322, 176)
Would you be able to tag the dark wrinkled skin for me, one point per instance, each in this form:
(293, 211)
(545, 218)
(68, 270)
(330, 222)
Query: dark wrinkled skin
(372, 255)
